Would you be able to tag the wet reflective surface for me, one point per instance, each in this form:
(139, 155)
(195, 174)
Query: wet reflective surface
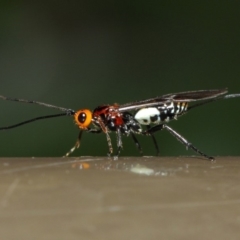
(131, 198)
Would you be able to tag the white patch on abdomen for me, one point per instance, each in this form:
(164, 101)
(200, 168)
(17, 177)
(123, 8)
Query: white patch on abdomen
(147, 116)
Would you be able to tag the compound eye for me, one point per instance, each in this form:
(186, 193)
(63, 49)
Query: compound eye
(83, 118)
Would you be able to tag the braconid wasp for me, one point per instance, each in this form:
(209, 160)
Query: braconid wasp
(142, 117)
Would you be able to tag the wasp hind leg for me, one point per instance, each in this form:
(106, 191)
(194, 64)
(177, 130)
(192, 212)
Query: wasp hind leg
(150, 131)
(179, 137)
(137, 143)
(186, 143)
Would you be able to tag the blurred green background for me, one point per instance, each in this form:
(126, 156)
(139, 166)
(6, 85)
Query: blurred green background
(81, 54)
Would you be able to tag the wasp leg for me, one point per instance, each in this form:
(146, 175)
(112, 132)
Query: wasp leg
(105, 130)
(119, 143)
(137, 143)
(180, 138)
(150, 132)
(78, 142)
(110, 148)
(93, 130)
(186, 143)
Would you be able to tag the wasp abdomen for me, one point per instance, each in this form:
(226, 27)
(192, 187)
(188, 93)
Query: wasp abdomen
(161, 113)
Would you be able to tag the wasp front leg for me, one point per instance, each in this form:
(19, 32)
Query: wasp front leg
(78, 142)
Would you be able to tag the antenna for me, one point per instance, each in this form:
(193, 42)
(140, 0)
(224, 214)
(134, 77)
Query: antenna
(35, 102)
(67, 112)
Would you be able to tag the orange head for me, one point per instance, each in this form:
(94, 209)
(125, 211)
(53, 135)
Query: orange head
(83, 118)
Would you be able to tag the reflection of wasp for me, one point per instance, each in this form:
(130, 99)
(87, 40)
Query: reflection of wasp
(127, 166)
(128, 119)
(81, 165)
(93, 165)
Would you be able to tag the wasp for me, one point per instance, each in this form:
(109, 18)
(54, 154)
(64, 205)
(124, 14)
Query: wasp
(141, 117)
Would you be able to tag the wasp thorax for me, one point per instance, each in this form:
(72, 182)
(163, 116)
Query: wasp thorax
(83, 118)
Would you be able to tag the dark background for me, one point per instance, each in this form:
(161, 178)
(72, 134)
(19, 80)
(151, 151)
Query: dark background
(80, 54)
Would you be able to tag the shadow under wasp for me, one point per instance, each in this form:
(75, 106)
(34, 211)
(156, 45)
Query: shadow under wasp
(129, 119)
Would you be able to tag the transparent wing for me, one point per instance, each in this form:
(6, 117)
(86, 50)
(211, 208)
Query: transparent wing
(190, 96)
